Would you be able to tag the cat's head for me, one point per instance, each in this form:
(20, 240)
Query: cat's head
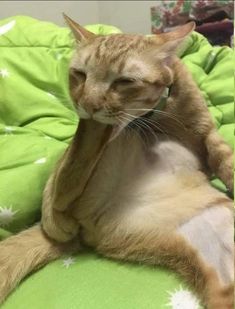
(115, 78)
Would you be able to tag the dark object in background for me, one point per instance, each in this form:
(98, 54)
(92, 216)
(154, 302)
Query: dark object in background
(217, 33)
(218, 16)
(214, 19)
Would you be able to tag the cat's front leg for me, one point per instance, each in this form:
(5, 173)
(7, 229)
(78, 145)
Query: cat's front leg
(58, 225)
(78, 163)
(66, 185)
(220, 158)
(187, 103)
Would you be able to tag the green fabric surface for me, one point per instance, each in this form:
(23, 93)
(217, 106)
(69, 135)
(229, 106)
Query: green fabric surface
(93, 282)
(37, 121)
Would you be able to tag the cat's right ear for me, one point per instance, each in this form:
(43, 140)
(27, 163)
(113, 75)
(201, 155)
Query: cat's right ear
(80, 33)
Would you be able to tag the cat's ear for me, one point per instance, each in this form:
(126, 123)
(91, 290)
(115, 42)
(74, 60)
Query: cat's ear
(79, 32)
(169, 42)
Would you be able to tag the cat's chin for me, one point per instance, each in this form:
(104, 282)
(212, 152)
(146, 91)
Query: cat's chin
(104, 120)
(117, 127)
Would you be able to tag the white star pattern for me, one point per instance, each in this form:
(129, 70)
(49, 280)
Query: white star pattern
(6, 215)
(8, 130)
(183, 299)
(40, 161)
(4, 73)
(7, 27)
(68, 262)
(50, 94)
(58, 56)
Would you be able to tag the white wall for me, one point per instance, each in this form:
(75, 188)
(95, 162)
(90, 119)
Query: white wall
(129, 16)
(86, 12)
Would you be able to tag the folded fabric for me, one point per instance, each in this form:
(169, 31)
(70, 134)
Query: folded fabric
(37, 121)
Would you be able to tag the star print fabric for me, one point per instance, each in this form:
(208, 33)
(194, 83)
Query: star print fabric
(37, 121)
(4, 73)
(6, 216)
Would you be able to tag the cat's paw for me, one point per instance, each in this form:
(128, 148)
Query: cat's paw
(60, 226)
(226, 174)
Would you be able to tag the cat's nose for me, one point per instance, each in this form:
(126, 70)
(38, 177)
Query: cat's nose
(92, 109)
(96, 109)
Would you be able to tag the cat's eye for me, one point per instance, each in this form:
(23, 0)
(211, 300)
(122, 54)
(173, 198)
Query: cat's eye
(124, 81)
(79, 74)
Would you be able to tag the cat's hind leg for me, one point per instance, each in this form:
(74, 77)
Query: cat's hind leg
(25, 252)
(211, 234)
(178, 251)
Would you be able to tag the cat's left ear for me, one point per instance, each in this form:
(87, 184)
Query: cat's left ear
(169, 42)
(79, 32)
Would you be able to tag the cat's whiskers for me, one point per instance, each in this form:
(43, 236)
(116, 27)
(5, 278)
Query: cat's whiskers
(149, 121)
(141, 125)
(128, 134)
(167, 114)
(171, 116)
(141, 121)
(154, 123)
(127, 121)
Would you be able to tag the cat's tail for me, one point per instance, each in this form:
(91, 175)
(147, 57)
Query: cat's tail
(25, 252)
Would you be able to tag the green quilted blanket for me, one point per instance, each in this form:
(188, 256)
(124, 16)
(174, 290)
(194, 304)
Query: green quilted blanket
(37, 121)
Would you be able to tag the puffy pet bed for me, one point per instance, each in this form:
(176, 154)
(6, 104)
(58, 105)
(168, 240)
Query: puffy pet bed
(37, 121)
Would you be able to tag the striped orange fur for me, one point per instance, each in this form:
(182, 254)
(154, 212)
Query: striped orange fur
(135, 187)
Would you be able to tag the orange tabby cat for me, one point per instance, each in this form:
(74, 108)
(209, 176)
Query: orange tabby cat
(134, 184)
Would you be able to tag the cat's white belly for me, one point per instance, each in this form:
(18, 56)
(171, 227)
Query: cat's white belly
(140, 187)
(211, 234)
(127, 168)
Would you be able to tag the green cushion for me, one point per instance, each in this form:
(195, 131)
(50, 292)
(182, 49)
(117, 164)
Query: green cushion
(37, 121)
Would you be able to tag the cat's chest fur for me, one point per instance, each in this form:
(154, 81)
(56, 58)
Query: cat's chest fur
(132, 176)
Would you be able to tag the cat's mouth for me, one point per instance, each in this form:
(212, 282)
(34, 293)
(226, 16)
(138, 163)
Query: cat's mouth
(97, 116)
(119, 121)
